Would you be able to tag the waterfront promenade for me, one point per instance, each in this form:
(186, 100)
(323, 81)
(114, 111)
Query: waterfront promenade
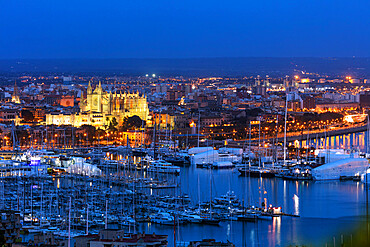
(311, 134)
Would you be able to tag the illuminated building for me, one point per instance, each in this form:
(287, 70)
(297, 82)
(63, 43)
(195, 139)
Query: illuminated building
(211, 121)
(305, 80)
(336, 107)
(114, 104)
(354, 81)
(15, 95)
(260, 88)
(9, 115)
(134, 138)
(99, 108)
(161, 120)
(355, 118)
(67, 101)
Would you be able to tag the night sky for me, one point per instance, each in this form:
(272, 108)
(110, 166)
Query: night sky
(183, 28)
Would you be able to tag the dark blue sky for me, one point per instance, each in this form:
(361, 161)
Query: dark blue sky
(183, 28)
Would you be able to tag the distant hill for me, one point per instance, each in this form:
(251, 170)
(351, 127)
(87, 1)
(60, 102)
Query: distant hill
(357, 67)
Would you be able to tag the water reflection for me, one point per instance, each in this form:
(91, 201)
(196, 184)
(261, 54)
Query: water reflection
(329, 203)
(276, 224)
(355, 140)
(252, 238)
(296, 204)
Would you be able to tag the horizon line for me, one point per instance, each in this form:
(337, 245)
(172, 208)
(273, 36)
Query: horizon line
(188, 58)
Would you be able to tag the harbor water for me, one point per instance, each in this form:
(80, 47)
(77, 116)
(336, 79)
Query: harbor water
(326, 209)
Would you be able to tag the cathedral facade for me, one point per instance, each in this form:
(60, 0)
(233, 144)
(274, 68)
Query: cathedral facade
(99, 107)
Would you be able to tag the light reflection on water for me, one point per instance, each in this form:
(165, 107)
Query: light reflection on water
(326, 208)
(296, 204)
(359, 141)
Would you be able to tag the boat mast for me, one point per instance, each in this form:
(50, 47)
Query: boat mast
(307, 143)
(135, 138)
(198, 194)
(172, 144)
(259, 143)
(142, 133)
(73, 140)
(249, 161)
(87, 219)
(368, 136)
(159, 131)
(2, 195)
(31, 201)
(187, 140)
(250, 143)
(210, 199)
(276, 137)
(174, 230)
(326, 147)
(166, 132)
(155, 123)
(14, 137)
(198, 127)
(69, 223)
(286, 114)
(106, 214)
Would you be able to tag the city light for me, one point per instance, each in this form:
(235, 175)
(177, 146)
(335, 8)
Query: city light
(252, 129)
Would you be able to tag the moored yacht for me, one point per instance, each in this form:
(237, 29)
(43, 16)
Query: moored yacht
(296, 173)
(222, 165)
(162, 218)
(162, 166)
(257, 172)
(350, 167)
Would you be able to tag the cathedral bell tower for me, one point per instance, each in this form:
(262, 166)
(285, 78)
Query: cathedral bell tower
(15, 96)
(88, 98)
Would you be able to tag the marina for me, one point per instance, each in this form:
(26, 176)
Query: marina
(313, 203)
(184, 123)
(113, 172)
(140, 194)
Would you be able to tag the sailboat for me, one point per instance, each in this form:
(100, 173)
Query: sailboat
(257, 171)
(210, 219)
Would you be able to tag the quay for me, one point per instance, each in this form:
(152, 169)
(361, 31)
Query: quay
(302, 135)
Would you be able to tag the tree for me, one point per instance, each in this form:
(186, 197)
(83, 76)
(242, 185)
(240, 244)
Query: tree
(100, 132)
(27, 115)
(90, 132)
(114, 121)
(112, 124)
(131, 123)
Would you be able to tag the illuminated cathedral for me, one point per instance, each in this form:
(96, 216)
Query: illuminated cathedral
(99, 107)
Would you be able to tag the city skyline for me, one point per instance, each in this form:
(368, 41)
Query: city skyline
(184, 123)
